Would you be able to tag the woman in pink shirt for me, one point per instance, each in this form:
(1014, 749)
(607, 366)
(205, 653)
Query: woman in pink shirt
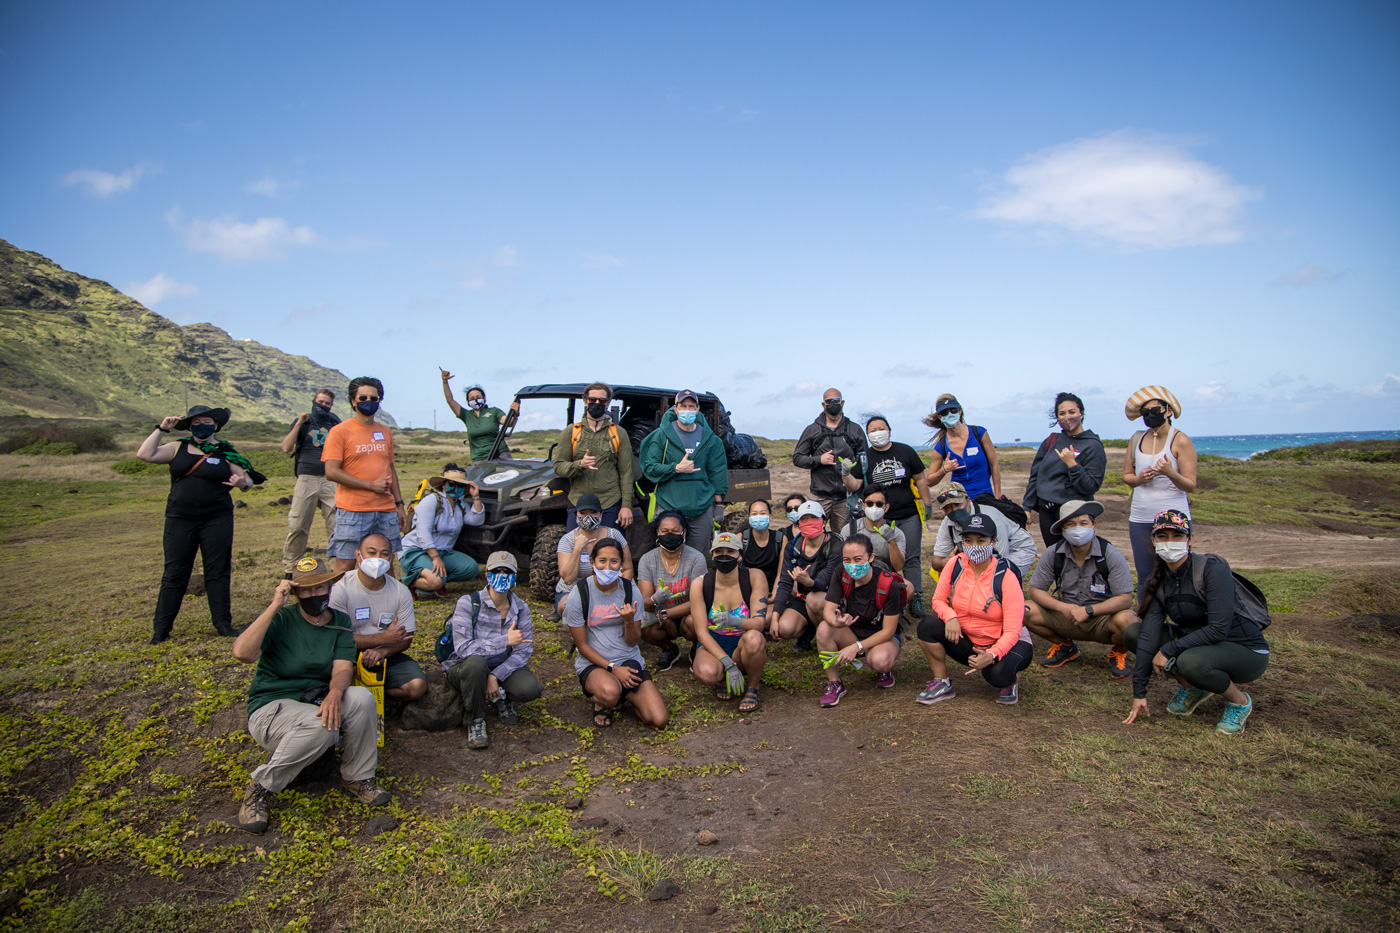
(977, 616)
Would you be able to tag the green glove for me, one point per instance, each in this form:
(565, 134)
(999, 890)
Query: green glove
(733, 677)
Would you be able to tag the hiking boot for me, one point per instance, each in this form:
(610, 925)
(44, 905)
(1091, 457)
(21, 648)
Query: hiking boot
(1118, 661)
(505, 711)
(159, 636)
(252, 815)
(1060, 654)
(476, 735)
(885, 681)
(226, 630)
(1009, 696)
(1186, 700)
(1233, 719)
(667, 658)
(833, 693)
(915, 609)
(366, 792)
(936, 691)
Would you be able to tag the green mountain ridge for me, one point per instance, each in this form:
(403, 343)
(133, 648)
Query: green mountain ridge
(75, 347)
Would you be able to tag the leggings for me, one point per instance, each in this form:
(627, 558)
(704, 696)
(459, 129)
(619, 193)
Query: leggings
(913, 551)
(1001, 674)
(1144, 557)
(1049, 515)
(1211, 667)
(213, 539)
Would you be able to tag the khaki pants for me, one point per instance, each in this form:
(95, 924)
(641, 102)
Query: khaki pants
(291, 733)
(838, 513)
(310, 492)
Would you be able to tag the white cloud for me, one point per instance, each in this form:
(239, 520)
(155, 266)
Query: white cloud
(599, 260)
(1128, 188)
(808, 390)
(1280, 378)
(233, 240)
(748, 375)
(158, 288)
(269, 186)
(476, 273)
(905, 371)
(1388, 387)
(105, 184)
(1214, 392)
(1310, 275)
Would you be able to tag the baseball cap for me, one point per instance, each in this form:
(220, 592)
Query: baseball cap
(980, 524)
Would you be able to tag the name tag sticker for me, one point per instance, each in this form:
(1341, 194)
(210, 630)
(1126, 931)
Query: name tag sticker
(899, 472)
(212, 461)
(970, 451)
(1098, 587)
(379, 435)
(362, 614)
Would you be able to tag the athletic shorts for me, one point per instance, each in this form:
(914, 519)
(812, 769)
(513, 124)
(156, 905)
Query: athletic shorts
(583, 676)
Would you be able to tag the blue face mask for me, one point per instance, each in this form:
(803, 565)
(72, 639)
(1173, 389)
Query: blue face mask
(686, 417)
(792, 516)
(758, 522)
(856, 571)
(456, 492)
(501, 582)
(607, 577)
(951, 419)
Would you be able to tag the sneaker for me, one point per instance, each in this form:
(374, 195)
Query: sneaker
(1118, 661)
(366, 792)
(1059, 654)
(252, 815)
(1186, 700)
(667, 658)
(476, 737)
(441, 593)
(936, 691)
(1232, 721)
(833, 693)
(916, 607)
(1009, 695)
(505, 712)
(885, 681)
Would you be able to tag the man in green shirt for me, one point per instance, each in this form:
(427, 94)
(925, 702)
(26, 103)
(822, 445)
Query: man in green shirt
(482, 421)
(301, 696)
(595, 456)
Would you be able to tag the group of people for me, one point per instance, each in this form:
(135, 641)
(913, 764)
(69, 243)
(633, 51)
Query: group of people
(845, 573)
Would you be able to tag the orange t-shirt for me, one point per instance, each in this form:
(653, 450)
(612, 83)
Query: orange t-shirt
(365, 452)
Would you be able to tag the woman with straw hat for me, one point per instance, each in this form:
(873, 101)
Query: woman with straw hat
(1160, 468)
(428, 562)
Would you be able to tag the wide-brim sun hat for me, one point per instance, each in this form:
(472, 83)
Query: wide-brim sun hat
(1133, 409)
(448, 476)
(219, 415)
(1073, 508)
(312, 571)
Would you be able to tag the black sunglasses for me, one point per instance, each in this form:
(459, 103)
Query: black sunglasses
(945, 496)
(366, 398)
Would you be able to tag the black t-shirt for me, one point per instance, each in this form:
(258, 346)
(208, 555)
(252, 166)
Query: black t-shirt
(765, 559)
(861, 604)
(890, 472)
(310, 439)
(201, 494)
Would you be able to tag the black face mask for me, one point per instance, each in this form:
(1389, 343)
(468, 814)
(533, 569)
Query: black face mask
(726, 564)
(367, 408)
(597, 409)
(959, 516)
(1154, 417)
(320, 412)
(315, 605)
(832, 408)
(204, 431)
(671, 541)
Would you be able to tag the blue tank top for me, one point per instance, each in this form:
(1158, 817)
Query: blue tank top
(975, 474)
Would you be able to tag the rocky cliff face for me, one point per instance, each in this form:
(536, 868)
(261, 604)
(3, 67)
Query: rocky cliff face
(74, 347)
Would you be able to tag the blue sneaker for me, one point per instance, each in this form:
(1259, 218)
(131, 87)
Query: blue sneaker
(1232, 722)
(1186, 700)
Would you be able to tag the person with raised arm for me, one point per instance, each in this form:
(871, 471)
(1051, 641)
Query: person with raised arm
(483, 422)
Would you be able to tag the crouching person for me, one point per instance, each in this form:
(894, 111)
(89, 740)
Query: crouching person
(492, 641)
(861, 618)
(381, 614)
(301, 696)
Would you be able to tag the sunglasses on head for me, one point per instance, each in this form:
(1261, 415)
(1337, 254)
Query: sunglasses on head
(945, 496)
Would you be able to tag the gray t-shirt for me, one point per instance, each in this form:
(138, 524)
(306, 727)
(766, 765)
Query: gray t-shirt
(585, 568)
(372, 611)
(880, 548)
(651, 568)
(605, 627)
(1013, 542)
(1077, 585)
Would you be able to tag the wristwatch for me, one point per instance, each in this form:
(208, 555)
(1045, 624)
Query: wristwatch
(610, 665)
(1090, 609)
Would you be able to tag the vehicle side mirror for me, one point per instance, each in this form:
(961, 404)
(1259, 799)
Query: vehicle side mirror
(549, 456)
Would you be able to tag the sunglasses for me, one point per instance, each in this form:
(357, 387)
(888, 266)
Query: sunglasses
(836, 399)
(366, 398)
(945, 496)
(1153, 408)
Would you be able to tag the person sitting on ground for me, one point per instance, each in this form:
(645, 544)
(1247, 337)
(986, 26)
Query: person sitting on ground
(1013, 542)
(429, 559)
(1196, 628)
(810, 565)
(664, 575)
(887, 540)
(761, 544)
(304, 442)
(595, 456)
(492, 642)
(861, 617)
(1069, 464)
(359, 459)
(572, 553)
(828, 442)
(730, 649)
(601, 614)
(1093, 591)
(482, 422)
(1160, 468)
(978, 608)
(961, 451)
(301, 697)
(381, 617)
(687, 462)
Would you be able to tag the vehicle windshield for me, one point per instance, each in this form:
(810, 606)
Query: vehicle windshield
(539, 424)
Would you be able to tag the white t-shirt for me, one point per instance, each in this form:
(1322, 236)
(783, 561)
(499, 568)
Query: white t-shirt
(372, 611)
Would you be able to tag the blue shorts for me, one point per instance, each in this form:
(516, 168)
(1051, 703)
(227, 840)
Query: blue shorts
(727, 643)
(351, 527)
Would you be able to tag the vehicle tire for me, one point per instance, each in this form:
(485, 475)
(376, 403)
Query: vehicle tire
(544, 562)
(735, 521)
(640, 535)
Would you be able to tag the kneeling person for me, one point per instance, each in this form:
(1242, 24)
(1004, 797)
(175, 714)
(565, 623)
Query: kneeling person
(381, 616)
(492, 642)
(429, 560)
(730, 649)
(862, 617)
(301, 697)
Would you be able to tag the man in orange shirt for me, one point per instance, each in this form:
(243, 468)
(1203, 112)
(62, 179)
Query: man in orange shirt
(359, 459)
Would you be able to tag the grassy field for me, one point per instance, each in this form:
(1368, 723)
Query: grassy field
(122, 763)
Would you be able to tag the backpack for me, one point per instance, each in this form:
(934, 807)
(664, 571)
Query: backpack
(582, 590)
(1005, 506)
(1049, 442)
(884, 583)
(445, 647)
(1256, 605)
(707, 586)
(1002, 566)
(1100, 562)
(412, 506)
(578, 432)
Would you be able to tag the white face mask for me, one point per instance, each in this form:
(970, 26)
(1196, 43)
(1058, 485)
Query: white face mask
(879, 438)
(374, 567)
(1172, 551)
(1078, 535)
(874, 513)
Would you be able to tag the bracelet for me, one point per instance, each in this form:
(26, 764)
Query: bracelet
(398, 502)
(162, 430)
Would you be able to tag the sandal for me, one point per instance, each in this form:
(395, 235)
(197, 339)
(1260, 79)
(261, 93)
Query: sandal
(722, 692)
(750, 701)
(603, 718)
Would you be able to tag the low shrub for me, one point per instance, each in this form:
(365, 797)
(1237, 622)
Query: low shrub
(60, 439)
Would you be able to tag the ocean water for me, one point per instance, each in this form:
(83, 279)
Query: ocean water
(1244, 446)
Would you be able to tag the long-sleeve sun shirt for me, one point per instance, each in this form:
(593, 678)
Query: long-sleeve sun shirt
(992, 626)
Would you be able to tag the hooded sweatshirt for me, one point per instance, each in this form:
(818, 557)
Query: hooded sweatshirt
(1053, 483)
(687, 493)
(845, 440)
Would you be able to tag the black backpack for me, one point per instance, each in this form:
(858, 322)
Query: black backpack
(445, 647)
(582, 590)
(707, 586)
(1256, 605)
(1005, 506)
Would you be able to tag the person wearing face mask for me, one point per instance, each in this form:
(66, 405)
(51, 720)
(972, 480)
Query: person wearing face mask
(886, 539)
(1093, 587)
(1201, 624)
(827, 448)
(1069, 464)
(1012, 541)
(492, 643)
(961, 451)
(810, 564)
(790, 506)
(664, 575)
(761, 546)
(427, 560)
(860, 618)
(897, 471)
(301, 697)
(304, 442)
(976, 618)
(359, 459)
(687, 462)
(381, 617)
(595, 456)
(730, 650)
(198, 513)
(482, 421)
(572, 554)
(1160, 468)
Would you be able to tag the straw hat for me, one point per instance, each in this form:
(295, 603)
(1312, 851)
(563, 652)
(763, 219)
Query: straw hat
(1146, 394)
(453, 476)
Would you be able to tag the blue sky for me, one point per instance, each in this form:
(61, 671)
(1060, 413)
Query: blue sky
(998, 200)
